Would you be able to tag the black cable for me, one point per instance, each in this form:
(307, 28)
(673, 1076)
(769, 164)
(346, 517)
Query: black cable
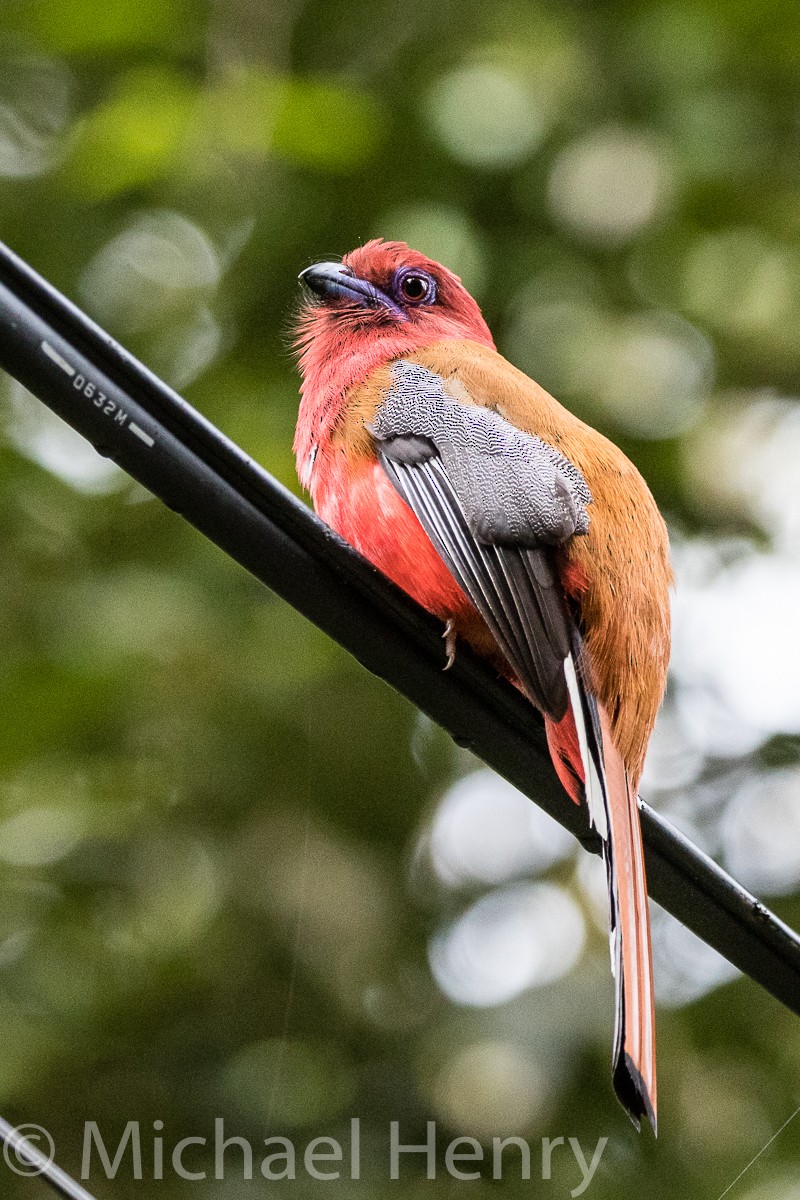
(130, 415)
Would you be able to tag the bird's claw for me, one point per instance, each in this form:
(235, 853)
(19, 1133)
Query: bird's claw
(450, 637)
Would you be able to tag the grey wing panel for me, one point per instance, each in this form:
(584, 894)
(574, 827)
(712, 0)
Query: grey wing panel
(493, 500)
(513, 488)
(513, 588)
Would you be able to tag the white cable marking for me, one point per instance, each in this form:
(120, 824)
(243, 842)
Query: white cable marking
(55, 357)
(140, 433)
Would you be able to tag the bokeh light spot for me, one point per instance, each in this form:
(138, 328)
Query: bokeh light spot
(40, 835)
(653, 374)
(485, 116)
(45, 439)
(721, 639)
(520, 937)
(760, 833)
(609, 185)
(492, 1089)
(741, 280)
(485, 831)
(35, 109)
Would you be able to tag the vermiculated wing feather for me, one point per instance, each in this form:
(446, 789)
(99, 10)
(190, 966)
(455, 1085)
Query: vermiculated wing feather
(513, 488)
(508, 595)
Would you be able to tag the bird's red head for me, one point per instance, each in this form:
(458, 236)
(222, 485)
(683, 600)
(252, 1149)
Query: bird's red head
(380, 302)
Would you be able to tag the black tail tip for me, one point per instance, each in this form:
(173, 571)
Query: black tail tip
(633, 1095)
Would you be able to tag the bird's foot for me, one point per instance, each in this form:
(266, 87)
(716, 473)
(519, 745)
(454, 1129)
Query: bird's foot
(450, 638)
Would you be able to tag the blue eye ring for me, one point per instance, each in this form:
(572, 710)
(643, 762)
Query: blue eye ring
(413, 286)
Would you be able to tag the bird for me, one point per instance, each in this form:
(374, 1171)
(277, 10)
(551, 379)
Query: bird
(528, 533)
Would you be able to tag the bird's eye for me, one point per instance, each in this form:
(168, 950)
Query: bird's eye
(416, 288)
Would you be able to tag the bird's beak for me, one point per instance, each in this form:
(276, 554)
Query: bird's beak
(335, 281)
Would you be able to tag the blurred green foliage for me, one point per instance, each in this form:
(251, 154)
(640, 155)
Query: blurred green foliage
(227, 889)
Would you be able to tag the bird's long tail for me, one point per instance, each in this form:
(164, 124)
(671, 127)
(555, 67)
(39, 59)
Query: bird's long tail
(591, 768)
